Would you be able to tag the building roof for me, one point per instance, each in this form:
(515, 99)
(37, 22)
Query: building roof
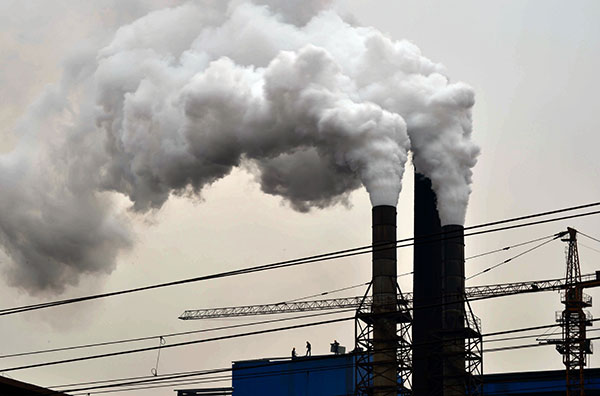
(12, 387)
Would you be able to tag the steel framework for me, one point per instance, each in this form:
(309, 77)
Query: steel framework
(473, 353)
(574, 345)
(364, 348)
(467, 342)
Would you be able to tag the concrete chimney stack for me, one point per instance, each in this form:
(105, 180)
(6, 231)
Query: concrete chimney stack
(438, 335)
(453, 291)
(427, 292)
(385, 361)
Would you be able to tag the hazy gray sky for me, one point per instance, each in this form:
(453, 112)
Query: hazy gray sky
(533, 66)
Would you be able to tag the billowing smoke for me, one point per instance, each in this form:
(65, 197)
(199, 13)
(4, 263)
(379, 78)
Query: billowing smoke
(313, 106)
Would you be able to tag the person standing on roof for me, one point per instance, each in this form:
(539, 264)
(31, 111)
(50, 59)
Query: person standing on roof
(308, 349)
(335, 347)
(294, 355)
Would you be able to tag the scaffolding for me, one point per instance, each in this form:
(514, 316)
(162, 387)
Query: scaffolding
(473, 353)
(463, 345)
(364, 348)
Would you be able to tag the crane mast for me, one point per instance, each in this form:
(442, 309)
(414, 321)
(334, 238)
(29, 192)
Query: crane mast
(573, 344)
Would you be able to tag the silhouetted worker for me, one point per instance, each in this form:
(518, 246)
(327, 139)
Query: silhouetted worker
(335, 347)
(308, 349)
(294, 353)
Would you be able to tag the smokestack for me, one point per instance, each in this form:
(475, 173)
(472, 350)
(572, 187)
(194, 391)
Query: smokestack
(427, 292)
(438, 299)
(385, 360)
(453, 291)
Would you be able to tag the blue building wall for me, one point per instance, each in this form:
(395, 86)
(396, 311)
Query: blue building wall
(333, 375)
(316, 376)
(534, 383)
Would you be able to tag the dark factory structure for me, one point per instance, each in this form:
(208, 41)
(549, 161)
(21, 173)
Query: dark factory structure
(444, 355)
(427, 291)
(445, 337)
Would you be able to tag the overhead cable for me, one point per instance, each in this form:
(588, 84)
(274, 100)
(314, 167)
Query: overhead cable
(315, 258)
(508, 247)
(179, 344)
(514, 257)
(587, 236)
(168, 335)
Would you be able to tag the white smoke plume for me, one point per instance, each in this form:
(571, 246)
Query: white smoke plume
(314, 106)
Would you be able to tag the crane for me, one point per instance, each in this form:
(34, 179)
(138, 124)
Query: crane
(473, 293)
(573, 344)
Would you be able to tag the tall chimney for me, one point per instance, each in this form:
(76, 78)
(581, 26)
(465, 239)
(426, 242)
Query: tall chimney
(427, 323)
(453, 291)
(385, 360)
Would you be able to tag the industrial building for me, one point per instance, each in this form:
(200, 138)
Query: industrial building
(333, 375)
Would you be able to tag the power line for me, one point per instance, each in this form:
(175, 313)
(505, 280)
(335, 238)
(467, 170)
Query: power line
(587, 236)
(223, 338)
(188, 374)
(254, 375)
(531, 336)
(338, 290)
(527, 329)
(167, 335)
(163, 377)
(210, 392)
(185, 377)
(281, 264)
(155, 337)
(191, 342)
(508, 348)
(503, 249)
(514, 257)
(271, 373)
(220, 378)
(195, 372)
(508, 247)
(589, 247)
(287, 302)
(315, 258)
(205, 340)
(288, 371)
(218, 393)
(217, 378)
(325, 293)
(531, 216)
(230, 327)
